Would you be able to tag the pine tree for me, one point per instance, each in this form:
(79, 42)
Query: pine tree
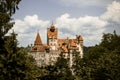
(7, 9)
(101, 62)
(15, 63)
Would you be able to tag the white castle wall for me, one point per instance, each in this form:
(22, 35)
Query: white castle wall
(53, 44)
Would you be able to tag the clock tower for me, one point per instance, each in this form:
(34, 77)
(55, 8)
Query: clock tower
(52, 37)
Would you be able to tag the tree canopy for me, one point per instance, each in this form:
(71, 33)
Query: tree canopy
(101, 62)
(15, 63)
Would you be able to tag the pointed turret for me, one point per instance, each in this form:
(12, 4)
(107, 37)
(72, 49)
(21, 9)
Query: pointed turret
(52, 27)
(80, 38)
(38, 40)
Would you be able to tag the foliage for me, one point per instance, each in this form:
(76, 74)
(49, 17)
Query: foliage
(59, 71)
(102, 61)
(15, 63)
(9, 6)
(7, 9)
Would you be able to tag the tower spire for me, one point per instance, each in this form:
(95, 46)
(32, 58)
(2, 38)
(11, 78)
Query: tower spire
(38, 40)
(52, 25)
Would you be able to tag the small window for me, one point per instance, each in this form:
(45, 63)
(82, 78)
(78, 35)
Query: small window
(35, 48)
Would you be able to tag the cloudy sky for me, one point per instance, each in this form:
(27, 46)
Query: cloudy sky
(89, 18)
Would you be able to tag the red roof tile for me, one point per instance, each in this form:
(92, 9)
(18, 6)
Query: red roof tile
(72, 42)
(80, 38)
(61, 41)
(38, 40)
(38, 48)
(52, 34)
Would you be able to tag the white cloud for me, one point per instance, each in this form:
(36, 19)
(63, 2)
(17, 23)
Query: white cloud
(30, 24)
(79, 3)
(90, 27)
(27, 29)
(113, 12)
(34, 21)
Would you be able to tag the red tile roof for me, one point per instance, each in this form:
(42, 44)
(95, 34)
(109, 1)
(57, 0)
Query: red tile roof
(65, 49)
(38, 48)
(52, 34)
(61, 41)
(80, 38)
(72, 42)
(38, 40)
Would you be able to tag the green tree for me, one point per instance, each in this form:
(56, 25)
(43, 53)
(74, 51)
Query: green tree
(15, 63)
(59, 71)
(111, 41)
(107, 67)
(7, 9)
(63, 68)
(101, 62)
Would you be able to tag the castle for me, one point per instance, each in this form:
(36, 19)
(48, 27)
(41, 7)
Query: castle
(47, 54)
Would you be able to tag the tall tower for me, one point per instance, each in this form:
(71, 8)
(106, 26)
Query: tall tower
(52, 37)
(80, 44)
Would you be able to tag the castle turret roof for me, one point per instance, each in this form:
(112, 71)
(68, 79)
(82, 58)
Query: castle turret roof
(52, 25)
(81, 38)
(38, 40)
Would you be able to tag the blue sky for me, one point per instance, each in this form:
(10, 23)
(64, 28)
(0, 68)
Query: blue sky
(89, 18)
(50, 9)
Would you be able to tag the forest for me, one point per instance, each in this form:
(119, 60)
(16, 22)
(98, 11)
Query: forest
(100, 62)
